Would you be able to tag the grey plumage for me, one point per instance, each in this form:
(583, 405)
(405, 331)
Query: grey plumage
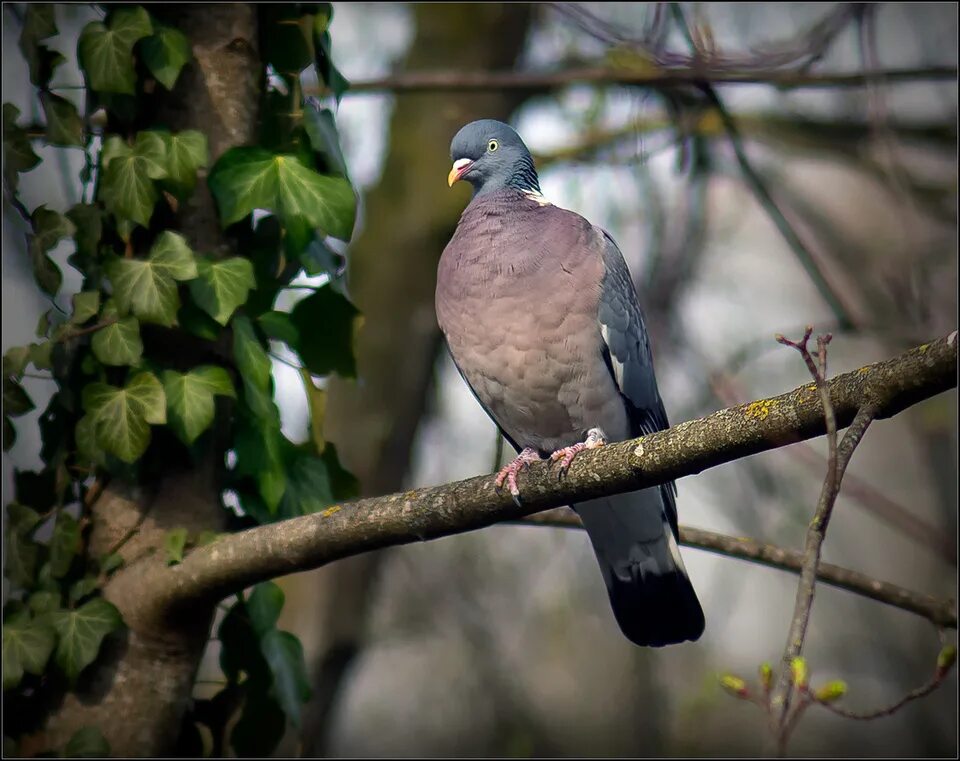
(542, 320)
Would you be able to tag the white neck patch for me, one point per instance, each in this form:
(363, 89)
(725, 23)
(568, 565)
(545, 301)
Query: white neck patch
(535, 195)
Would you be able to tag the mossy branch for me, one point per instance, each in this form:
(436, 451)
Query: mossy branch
(237, 561)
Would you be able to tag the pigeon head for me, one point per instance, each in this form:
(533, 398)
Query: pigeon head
(490, 155)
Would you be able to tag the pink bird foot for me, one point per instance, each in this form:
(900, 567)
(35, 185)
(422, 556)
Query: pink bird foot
(509, 472)
(595, 438)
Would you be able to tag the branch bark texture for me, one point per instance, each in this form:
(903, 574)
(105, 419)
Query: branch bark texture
(239, 560)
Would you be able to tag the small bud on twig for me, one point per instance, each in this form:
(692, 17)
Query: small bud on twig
(945, 660)
(766, 675)
(798, 672)
(734, 685)
(831, 691)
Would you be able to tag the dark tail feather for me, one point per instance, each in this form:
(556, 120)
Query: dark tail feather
(652, 598)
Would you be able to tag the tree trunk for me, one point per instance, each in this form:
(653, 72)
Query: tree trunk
(140, 686)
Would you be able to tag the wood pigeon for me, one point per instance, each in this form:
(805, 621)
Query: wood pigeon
(542, 320)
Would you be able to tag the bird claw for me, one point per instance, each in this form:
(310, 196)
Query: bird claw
(595, 438)
(509, 472)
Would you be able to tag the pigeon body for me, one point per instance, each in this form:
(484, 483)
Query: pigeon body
(542, 320)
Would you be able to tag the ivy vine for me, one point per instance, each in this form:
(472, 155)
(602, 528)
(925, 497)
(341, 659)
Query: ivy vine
(125, 407)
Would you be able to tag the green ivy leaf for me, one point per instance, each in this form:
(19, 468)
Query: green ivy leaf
(9, 434)
(87, 742)
(146, 391)
(64, 544)
(121, 416)
(85, 436)
(39, 24)
(321, 127)
(165, 53)
(80, 633)
(327, 72)
(260, 727)
(27, 645)
(48, 228)
(288, 43)
(173, 544)
(119, 343)
(127, 187)
(64, 125)
(111, 562)
(147, 288)
(264, 606)
(40, 355)
(190, 398)
(279, 327)
(186, 153)
(16, 401)
(239, 647)
(43, 602)
(83, 588)
(343, 483)
(308, 485)
(15, 360)
(21, 518)
(85, 305)
(284, 654)
(18, 155)
(258, 446)
(150, 148)
(142, 289)
(88, 223)
(106, 52)
(193, 319)
(329, 350)
(252, 360)
(172, 257)
(222, 286)
(21, 559)
(244, 179)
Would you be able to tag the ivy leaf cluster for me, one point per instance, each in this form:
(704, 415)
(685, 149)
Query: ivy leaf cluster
(266, 675)
(125, 404)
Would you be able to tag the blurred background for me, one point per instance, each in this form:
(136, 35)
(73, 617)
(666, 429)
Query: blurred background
(501, 642)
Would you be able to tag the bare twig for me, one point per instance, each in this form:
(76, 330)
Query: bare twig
(837, 461)
(84, 331)
(939, 676)
(862, 492)
(496, 81)
(940, 612)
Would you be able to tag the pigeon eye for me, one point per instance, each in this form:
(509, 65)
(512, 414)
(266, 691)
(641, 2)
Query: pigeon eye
(492, 146)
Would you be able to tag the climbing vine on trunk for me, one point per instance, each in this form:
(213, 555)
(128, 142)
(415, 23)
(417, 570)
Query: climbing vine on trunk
(162, 362)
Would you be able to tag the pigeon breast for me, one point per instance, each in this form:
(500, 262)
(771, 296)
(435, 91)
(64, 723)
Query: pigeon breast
(518, 289)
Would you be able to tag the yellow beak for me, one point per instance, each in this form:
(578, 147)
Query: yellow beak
(460, 167)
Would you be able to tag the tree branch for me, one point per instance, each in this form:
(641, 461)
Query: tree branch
(237, 561)
(837, 462)
(940, 612)
(484, 81)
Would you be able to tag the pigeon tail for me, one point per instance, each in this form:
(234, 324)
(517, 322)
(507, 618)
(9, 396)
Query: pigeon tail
(652, 597)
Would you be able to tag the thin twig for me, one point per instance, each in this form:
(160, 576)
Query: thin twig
(830, 293)
(941, 612)
(837, 461)
(84, 331)
(487, 81)
(938, 678)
